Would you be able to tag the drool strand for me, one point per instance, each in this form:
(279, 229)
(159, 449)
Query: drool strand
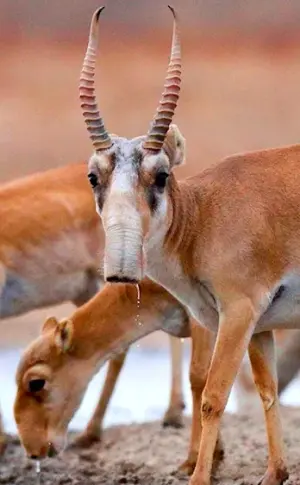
(138, 305)
(38, 472)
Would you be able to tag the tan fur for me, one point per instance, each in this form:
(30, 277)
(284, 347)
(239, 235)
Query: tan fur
(70, 352)
(52, 241)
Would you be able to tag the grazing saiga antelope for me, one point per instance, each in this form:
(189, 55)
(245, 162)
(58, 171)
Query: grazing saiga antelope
(56, 368)
(51, 245)
(225, 243)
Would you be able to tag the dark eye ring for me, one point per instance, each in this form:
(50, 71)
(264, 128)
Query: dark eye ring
(93, 179)
(161, 179)
(36, 385)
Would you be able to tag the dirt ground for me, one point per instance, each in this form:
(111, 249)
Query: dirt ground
(148, 454)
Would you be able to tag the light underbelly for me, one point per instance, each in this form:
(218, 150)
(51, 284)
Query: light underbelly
(20, 295)
(190, 294)
(284, 312)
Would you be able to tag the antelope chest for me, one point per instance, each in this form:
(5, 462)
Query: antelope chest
(192, 293)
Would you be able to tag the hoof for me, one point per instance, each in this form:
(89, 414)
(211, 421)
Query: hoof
(173, 422)
(187, 467)
(199, 481)
(274, 477)
(173, 417)
(85, 440)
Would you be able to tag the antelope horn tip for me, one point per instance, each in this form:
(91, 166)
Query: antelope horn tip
(98, 12)
(173, 11)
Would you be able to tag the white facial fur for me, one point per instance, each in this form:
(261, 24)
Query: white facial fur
(130, 199)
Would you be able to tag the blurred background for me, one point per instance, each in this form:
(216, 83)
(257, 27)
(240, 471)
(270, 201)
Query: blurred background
(241, 90)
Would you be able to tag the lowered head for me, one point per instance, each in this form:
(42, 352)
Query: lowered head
(51, 381)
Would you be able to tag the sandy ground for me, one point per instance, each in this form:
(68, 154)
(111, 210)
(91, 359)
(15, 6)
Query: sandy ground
(148, 454)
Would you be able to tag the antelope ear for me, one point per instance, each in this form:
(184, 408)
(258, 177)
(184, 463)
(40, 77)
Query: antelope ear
(63, 335)
(50, 324)
(174, 146)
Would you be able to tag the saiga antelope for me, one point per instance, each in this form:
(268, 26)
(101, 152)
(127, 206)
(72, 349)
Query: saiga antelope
(51, 245)
(225, 243)
(56, 368)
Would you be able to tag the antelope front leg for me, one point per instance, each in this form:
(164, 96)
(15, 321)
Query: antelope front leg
(263, 361)
(93, 431)
(173, 415)
(202, 347)
(235, 331)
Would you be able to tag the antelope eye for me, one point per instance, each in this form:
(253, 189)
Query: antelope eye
(36, 385)
(93, 179)
(161, 179)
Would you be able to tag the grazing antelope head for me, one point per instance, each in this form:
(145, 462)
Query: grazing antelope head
(51, 380)
(131, 177)
(57, 367)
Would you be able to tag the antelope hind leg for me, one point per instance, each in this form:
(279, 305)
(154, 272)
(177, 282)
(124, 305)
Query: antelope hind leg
(262, 357)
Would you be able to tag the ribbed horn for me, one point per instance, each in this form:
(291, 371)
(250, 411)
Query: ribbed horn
(95, 125)
(167, 105)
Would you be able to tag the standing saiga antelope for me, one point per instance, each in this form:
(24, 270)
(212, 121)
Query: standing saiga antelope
(225, 243)
(51, 245)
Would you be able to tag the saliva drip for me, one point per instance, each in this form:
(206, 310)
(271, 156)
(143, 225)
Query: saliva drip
(138, 305)
(138, 302)
(38, 471)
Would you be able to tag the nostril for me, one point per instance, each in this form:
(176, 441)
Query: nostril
(121, 279)
(34, 457)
